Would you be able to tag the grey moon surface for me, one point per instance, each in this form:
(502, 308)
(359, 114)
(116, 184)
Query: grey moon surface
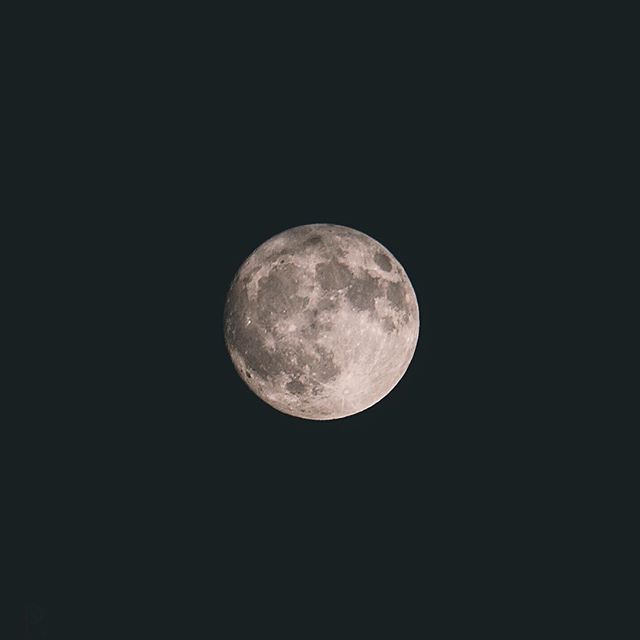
(321, 321)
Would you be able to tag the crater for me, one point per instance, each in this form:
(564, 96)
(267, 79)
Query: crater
(312, 241)
(279, 256)
(382, 261)
(296, 387)
(248, 276)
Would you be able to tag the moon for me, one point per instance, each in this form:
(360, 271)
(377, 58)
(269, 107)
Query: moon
(321, 321)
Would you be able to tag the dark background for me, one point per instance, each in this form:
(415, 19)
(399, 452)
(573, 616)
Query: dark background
(156, 492)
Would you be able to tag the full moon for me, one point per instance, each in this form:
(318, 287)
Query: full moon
(321, 321)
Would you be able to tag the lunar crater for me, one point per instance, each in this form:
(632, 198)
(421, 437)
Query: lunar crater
(382, 261)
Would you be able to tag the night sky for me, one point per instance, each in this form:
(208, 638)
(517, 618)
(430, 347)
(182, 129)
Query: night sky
(157, 493)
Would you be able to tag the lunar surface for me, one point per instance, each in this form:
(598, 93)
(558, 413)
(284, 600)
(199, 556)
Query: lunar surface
(321, 321)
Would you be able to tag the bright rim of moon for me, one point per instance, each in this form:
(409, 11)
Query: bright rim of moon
(321, 321)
